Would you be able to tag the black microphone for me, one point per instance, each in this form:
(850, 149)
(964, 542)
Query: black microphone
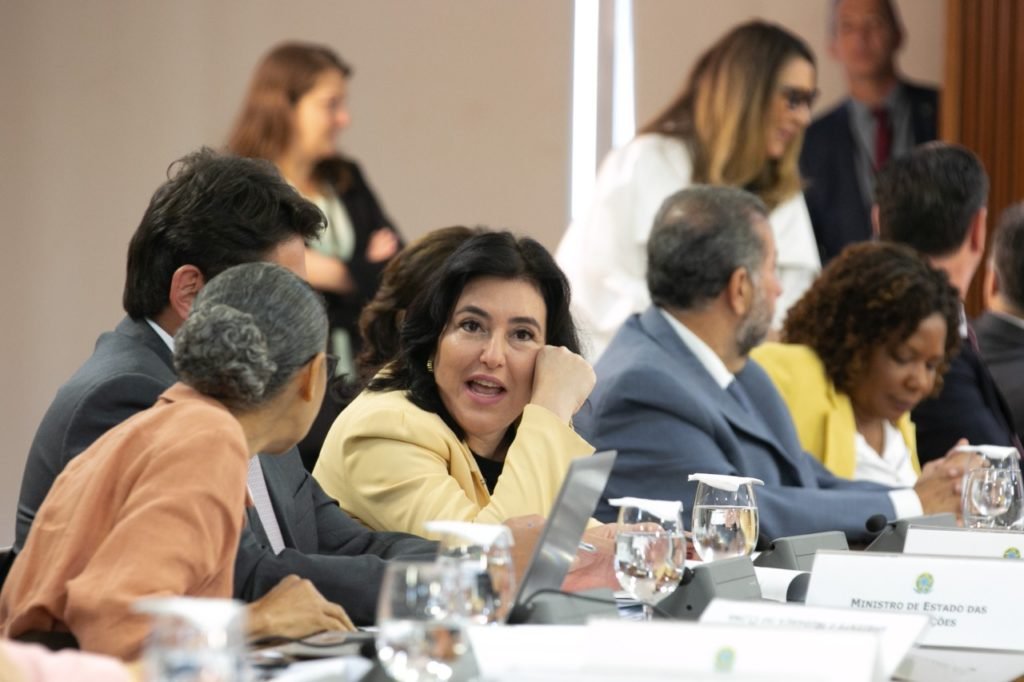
(876, 523)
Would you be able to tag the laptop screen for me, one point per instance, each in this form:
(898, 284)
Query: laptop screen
(560, 538)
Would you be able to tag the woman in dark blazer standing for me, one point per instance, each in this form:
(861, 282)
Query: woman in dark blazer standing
(292, 114)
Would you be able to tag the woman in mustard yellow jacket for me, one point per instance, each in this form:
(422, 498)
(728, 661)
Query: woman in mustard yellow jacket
(472, 420)
(868, 342)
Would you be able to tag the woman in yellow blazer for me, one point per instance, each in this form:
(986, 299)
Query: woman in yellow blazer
(472, 420)
(868, 342)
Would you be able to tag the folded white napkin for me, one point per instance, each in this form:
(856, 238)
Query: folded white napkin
(723, 482)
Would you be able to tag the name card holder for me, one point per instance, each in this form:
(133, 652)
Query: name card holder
(992, 544)
(972, 603)
(672, 651)
(664, 650)
(897, 632)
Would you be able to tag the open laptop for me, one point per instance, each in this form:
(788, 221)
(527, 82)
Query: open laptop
(548, 566)
(566, 522)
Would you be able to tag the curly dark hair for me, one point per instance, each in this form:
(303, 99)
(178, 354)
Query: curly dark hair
(491, 254)
(872, 294)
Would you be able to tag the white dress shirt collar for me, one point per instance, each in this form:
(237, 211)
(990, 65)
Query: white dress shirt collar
(707, 357)
(164, 336)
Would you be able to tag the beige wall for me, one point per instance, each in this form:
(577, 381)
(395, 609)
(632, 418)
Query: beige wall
(461, 114)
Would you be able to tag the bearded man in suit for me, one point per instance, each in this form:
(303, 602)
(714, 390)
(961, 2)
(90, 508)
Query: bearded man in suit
(677, 394)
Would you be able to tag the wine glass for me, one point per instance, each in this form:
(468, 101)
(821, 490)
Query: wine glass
(725, 520)
(420, 636)
(992, 498)
(481, 556)
(650, 549)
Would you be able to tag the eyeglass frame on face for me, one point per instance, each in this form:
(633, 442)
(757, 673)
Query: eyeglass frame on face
(797, 97)
(331, 363)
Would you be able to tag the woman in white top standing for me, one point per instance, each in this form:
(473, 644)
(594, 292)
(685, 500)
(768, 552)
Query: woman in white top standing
(292, 115)
(738, 121)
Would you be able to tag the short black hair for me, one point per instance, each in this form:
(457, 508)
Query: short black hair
(1008, 255)
(214, 211)
(701, 235)
(927, 199)
(491, 254)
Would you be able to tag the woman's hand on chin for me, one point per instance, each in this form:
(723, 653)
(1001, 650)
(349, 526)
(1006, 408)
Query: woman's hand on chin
(562, 380)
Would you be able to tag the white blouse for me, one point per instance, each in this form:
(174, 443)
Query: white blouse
(892, 467)
(604, 253)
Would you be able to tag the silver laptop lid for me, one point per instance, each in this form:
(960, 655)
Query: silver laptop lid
(560, 538)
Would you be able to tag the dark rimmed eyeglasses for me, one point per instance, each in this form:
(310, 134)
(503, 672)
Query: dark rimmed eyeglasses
(332, 365)
(798, 97)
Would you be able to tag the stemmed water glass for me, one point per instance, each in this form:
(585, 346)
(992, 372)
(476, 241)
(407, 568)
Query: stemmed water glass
(481, 556)
(420, 637)
(993, 497)
(650, 549)
(725, 519)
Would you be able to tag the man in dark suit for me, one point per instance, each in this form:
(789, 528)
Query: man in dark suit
(214, 212)
(934, 200)
(1001, 329)
(884, 117)
(677, 395)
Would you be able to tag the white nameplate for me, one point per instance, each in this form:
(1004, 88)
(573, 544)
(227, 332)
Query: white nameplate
(663, 650)
(994, 544)
(897, 632)
(972, 603)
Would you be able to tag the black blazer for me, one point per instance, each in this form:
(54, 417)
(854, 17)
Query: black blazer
(970, 406)
(838, 211)
(129, 369)
(1002, 347)
(367, 216)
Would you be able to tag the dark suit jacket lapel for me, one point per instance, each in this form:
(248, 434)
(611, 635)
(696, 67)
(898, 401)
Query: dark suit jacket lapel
(923, 114)
(778, 422)
(989, 390)
(658, 328)
(140, 329)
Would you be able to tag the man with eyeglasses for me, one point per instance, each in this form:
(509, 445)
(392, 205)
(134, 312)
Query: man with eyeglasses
(884, 117)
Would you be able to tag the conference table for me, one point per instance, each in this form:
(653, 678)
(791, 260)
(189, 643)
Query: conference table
(922, 664)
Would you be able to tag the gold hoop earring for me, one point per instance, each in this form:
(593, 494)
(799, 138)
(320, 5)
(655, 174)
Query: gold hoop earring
(430, 366)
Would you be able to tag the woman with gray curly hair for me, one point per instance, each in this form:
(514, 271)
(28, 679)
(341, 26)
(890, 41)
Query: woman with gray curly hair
(155, 506)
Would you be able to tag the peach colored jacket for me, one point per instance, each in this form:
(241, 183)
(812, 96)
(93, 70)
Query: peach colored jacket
(153, 508)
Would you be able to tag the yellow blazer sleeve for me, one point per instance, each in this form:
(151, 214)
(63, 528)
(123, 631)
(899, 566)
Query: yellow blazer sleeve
(909, 431)
(394, 466)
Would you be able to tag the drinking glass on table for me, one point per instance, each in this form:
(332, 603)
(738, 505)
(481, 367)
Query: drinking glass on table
(725, 521)
(194, 640)
(420, 628)
(480, 554)
(993, 497)
(650, 548)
